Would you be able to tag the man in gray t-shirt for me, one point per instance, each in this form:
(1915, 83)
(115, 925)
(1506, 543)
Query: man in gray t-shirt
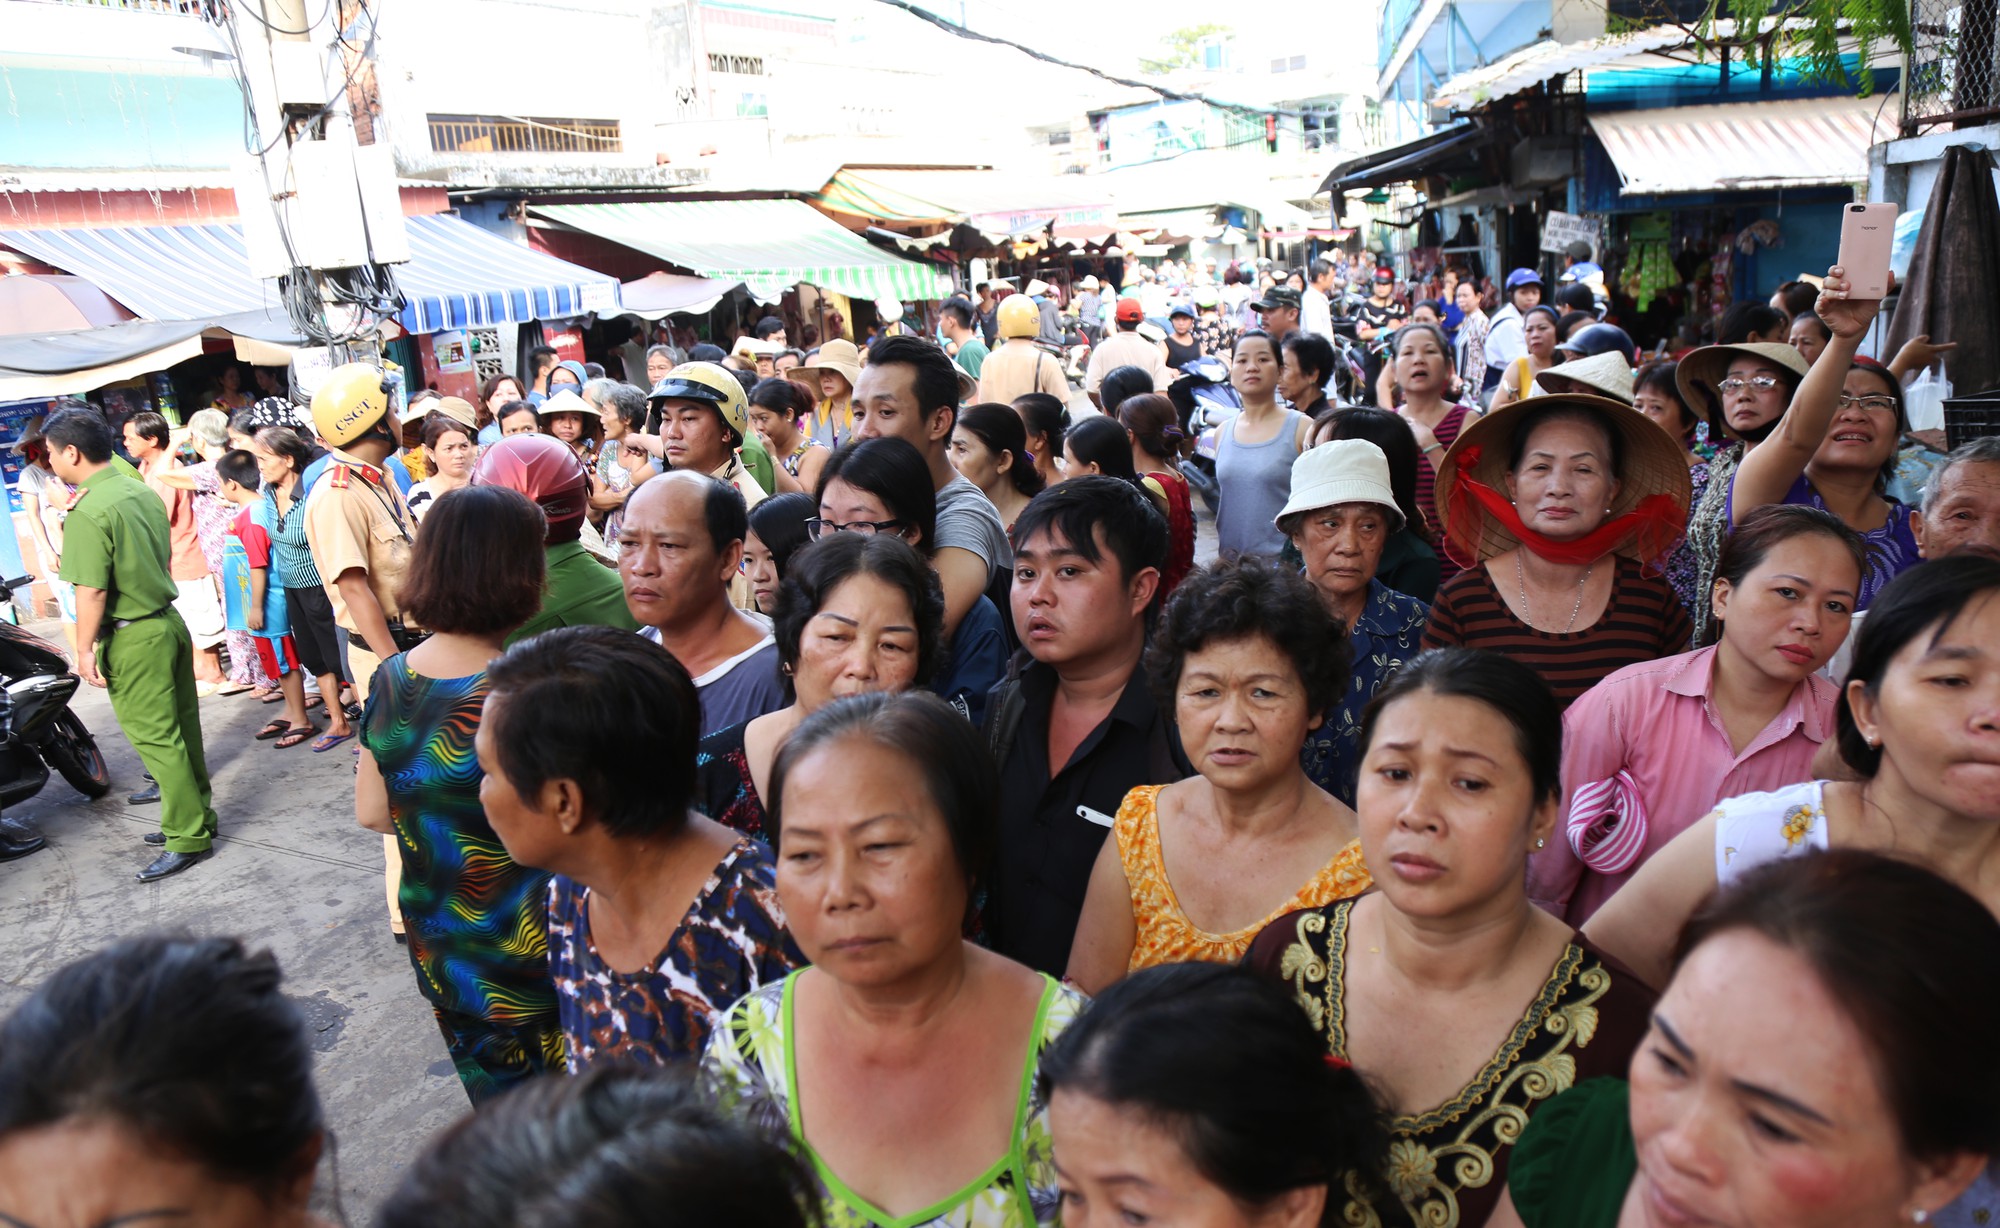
(909, 391)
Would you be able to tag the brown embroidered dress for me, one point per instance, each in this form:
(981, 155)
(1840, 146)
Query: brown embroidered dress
(1446, 1167)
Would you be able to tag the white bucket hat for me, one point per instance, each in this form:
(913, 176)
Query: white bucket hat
(1340, 471)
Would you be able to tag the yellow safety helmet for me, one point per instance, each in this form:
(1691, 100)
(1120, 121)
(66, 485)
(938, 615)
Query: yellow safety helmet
(711, 383)
(352, 399)
(1020, 316)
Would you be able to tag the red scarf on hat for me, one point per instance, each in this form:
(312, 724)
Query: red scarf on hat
(1655, 526)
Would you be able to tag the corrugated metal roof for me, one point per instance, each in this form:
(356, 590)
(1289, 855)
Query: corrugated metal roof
(1789, 143)
(1534, 64)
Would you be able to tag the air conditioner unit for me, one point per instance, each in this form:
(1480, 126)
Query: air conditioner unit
(1542, 160)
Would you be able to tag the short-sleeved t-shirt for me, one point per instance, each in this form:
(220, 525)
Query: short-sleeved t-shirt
(117, 539)
(732, 940)
(744, 686)
(967, 520)
(355, 517)
(247, 548)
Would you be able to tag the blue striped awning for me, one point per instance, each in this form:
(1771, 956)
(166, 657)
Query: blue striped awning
(458, 275)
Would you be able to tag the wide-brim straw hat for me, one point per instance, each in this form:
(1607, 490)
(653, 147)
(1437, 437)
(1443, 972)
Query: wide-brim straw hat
(458, 409)
(840, 357)
(1700, 374)
(1654, 463)
(1607, 374)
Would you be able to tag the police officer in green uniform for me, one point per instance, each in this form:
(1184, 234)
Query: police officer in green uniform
(129, 637)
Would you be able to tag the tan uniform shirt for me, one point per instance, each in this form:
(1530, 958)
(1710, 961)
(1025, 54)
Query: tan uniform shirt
(1124, 350)
(355, 517)
(1018, 368)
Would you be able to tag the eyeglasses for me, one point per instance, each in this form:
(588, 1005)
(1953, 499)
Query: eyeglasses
(1762, 383)
(1885, 404)
(817, 528)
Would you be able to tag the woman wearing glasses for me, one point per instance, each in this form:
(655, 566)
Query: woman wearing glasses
(1742, 389)
(880, 486)
(1835, 447)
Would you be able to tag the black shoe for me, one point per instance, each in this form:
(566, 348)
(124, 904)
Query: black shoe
(151, 793)
(156, 837)
(17, 839)
(172, 863)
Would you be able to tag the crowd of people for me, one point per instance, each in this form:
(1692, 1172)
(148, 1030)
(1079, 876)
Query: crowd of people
(838, 795)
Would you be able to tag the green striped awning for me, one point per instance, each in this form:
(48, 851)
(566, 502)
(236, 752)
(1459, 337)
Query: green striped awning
(769, 245)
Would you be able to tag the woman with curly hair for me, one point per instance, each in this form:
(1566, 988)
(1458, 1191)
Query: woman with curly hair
(1247, 658)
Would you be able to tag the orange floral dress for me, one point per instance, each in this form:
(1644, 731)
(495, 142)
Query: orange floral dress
(1165, 935)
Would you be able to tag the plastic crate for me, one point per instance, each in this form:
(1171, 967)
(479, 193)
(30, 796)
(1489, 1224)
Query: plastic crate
(1971, 417)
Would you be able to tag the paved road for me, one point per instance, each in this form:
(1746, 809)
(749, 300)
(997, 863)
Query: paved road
(292, 873)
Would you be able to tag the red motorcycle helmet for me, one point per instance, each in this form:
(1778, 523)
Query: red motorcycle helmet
(543, 468)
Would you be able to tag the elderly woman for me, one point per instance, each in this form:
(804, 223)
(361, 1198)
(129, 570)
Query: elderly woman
(1409, 563)
(1743, 391)
(1153, 1120)
(659, 919)
(1342, 516)
(208, 429)
(1657, 745)
(902, 1064)
(161, 1080)
(622, 467)
(1556, 505)
(1823, 1058)
(1466, 1006)
(1247, 658)
(857, 614)
(477, 922)
(1835, 447)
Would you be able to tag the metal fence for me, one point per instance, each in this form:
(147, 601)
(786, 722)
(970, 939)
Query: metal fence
(1952, 78)
(497, 134)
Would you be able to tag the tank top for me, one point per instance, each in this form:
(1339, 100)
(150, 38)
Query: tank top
(1179, 353)
(1255, 480)
(1164, 935)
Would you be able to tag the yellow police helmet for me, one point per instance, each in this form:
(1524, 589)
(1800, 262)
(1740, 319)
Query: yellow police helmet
(1019, 316)
(349, 402)
(711, 383)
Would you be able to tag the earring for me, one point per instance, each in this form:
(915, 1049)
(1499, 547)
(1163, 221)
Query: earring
(1540, 843)
(1919, 1216)
(1869, 738)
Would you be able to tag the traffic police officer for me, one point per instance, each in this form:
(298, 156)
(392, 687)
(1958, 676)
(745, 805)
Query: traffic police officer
(130, 640)
(361, 532)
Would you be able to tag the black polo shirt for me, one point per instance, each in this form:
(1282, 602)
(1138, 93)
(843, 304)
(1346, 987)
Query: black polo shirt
(1047, 848)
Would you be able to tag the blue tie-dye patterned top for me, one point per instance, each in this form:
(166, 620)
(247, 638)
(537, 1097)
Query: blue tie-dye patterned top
(477, 922)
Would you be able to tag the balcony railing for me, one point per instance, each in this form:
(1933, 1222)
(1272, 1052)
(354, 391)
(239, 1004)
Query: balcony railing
(1396, 18)
(1952, 78)
(509, 134)
(215, 12)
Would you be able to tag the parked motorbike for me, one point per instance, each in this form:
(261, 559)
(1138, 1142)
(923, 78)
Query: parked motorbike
(1206, 401)
(41, 732)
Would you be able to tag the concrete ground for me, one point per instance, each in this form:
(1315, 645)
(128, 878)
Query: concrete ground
(291, 873)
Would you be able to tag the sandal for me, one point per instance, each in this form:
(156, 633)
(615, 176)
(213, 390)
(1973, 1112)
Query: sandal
(269, 697)
(276, 729)
(296, 736)
(314, 701)
(327, 741)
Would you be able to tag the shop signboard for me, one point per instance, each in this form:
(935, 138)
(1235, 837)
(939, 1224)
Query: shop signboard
(1560, 230)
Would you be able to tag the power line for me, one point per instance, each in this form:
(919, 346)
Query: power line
(1174, 95)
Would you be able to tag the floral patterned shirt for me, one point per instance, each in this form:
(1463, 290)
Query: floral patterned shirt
(751, 1068)
(732, 940)
(1447, 1166)
(1388, 633)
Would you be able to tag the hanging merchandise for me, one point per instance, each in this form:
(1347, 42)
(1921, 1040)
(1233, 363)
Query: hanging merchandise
(1649, 272)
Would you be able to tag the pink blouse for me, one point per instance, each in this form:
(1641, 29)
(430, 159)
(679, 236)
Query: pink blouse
(1655, 722)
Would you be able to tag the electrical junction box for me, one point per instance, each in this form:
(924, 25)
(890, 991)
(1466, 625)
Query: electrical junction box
(335, 202)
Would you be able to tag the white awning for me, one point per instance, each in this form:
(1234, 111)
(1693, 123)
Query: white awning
(1807, 142)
